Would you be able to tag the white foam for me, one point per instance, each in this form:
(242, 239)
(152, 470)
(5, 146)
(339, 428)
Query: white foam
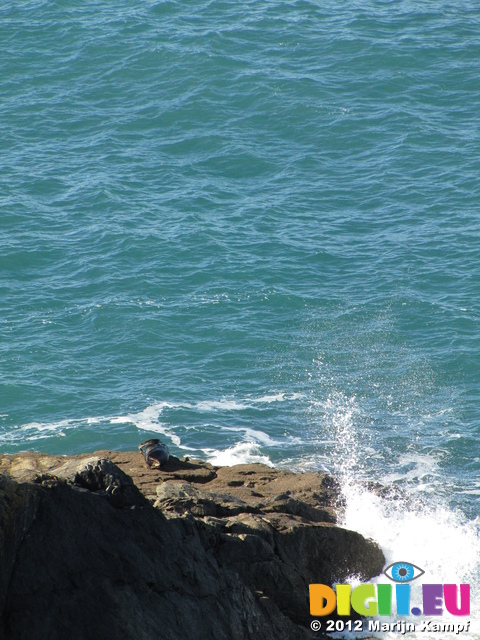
(278, 397)
(239, 404)
(36, 431)
(222, 405)
(413, 468)
(432, 536)
(241, 453)
(147, 420)
(149, 414)
(254, 434)
(419, 527)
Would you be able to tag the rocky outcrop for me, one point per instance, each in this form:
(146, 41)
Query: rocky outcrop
(103, 546)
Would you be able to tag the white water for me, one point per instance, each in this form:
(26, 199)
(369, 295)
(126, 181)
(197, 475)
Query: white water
(415, 525)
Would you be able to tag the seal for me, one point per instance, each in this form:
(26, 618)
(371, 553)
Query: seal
(155, 452)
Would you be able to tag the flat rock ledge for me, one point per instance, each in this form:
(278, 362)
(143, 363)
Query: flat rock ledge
(101, 546)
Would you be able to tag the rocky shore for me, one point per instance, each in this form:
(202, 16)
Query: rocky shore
(101, 546)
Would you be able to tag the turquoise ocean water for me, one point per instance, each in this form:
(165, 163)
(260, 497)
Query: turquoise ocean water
(252, 230)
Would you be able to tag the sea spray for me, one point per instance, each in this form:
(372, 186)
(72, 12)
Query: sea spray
(418, 527)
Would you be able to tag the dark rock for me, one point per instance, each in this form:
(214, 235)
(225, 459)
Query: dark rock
(285, 504)
(103, 546)
(19, 506)
(99, 476)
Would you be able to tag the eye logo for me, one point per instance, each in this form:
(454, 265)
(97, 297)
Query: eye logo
(403, 572)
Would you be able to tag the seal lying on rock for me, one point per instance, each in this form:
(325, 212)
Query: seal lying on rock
(155, 452)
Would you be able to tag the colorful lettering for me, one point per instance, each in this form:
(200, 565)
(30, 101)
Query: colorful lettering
(371, 600)
(450, 595)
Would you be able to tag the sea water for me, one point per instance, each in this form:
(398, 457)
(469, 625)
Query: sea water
(252, 229)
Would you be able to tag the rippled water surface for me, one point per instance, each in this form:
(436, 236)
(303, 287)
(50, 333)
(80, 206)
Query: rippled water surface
(252, 228)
